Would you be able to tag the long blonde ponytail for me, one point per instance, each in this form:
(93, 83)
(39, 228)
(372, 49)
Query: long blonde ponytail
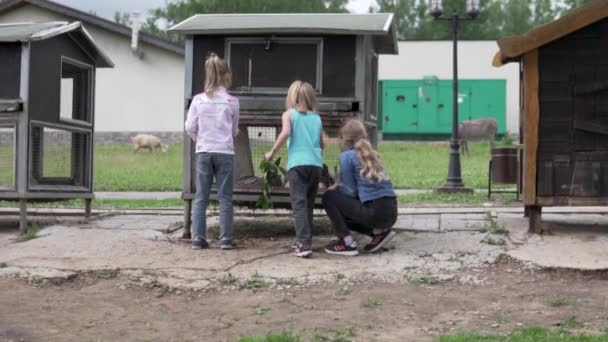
(353, 135)
(217, 74)
(371, 167)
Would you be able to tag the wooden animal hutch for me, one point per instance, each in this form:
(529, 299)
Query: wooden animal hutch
(47, 87)
(336, 53)
(564, 118)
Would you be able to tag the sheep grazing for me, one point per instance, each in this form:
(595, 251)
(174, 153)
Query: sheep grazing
(147, 141)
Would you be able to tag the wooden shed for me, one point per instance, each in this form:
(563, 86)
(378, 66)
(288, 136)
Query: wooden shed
(564, 117)
(47, 87)
(336, 53)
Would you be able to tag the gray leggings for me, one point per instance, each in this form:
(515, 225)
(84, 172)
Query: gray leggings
(303, 186)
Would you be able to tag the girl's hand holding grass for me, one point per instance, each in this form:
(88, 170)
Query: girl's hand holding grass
(269, 155)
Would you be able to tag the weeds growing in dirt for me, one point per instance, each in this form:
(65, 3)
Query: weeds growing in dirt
(536, 334)
(345, 335)
(285, 336)
(493, 227)
(371, 303)
(3, 265)
(288, 281)
(562, 301)
(260, 310)
(570, 322)
(256, 281)
(32, 233)
(501, 319)
(230, 280)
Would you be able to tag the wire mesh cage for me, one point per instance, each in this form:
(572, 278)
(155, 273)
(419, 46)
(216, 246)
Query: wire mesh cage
(58, 157)
(7, 157)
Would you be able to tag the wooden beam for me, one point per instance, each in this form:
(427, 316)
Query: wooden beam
(531, 122)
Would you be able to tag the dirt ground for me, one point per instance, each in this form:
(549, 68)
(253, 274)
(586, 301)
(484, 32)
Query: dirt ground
(90, 308)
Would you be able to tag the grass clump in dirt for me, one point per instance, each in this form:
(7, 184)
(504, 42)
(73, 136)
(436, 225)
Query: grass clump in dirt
(229, 280)
(494, 242)
(3, 265)
(561, 301)
(423, 280)
(492, 226)
(254, 282)
(30, 234)
(536, 334)
(345, 335)
(570, 322)
(260, 310)
(371, 303)
(501, 319)
(285, 336)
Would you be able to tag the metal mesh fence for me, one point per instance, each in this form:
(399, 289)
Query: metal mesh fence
(59, 156)
(7, 157)
(56, 153)
(261, 140)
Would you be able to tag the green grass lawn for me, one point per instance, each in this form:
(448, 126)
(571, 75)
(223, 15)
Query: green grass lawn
(410, 165)
(117, 168)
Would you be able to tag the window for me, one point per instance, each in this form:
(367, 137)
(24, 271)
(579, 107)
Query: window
(7, 156)
(75, 97)
(271, 65)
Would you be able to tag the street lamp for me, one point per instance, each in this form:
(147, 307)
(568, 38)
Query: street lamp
(454, 180)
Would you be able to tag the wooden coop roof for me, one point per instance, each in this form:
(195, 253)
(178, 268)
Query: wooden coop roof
(28, 32)
(379, 25)
(512, 48)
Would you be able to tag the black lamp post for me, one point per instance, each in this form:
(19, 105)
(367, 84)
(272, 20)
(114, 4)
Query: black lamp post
(454, 181)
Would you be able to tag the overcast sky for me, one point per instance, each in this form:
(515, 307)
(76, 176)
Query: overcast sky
(107, 8)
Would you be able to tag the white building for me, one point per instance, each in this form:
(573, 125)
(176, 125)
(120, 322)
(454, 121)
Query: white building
(145, 90)
(418, 59)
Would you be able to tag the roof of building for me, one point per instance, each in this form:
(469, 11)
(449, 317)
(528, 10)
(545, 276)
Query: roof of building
(511, 48)
(28, 32)
(380, 25)
(92, 19)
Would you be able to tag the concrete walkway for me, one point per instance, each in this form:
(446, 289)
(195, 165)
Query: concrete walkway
(432, 243)
(160, 195)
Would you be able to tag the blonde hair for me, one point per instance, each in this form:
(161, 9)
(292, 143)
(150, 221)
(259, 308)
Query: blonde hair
(301, 97)
(217, 74)
(353, 135)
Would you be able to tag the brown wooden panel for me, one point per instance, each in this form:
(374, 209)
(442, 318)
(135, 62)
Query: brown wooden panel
(531, 118)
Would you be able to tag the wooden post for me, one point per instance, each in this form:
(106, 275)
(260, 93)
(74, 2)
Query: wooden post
(531, 121)
(23, 216)
(87, 207)
(534, 219)
(187, 219)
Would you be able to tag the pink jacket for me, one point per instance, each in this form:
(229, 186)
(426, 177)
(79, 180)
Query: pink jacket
(213, 122)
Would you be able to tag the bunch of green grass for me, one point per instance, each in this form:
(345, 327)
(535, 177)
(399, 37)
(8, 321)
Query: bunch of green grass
(533, 334)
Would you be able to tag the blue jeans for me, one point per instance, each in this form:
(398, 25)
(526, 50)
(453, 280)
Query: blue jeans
(221, 166)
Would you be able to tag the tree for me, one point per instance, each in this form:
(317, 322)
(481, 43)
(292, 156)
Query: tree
(175, 12)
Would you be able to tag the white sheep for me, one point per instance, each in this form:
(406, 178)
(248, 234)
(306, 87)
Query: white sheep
(147, 141)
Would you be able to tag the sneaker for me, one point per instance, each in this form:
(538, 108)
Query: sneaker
(378, 241)
(226, 245)
(196, 245)
(302, 250)
(338, 247)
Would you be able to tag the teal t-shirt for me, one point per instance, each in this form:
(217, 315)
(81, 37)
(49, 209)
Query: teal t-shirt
(304, 144)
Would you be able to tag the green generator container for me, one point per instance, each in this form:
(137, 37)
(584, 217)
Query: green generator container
(422, 109)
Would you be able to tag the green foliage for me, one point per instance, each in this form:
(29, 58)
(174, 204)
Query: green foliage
(533, 334)
(345, 335)
(30, 234)
(269, 170)
(285, 336)
(371, 303)
(256, 281)
(557, 302)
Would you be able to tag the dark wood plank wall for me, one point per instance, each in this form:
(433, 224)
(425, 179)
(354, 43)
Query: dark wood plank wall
(573, 128)
(338, 63)
(10, 70)
(45, 75)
